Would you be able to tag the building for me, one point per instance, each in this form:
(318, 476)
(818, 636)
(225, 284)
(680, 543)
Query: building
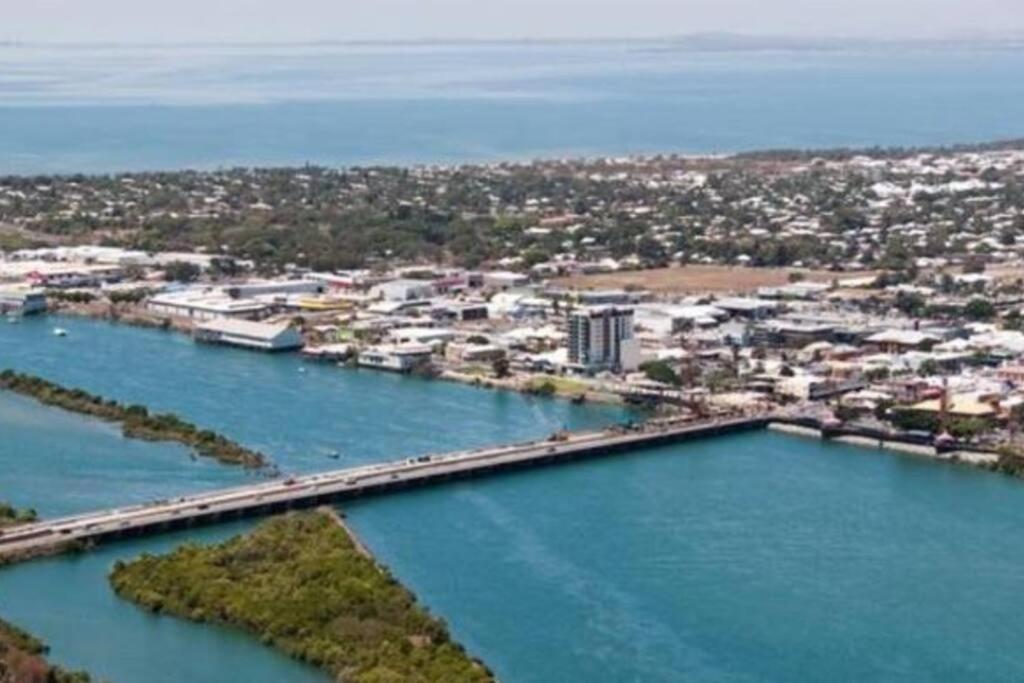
(504, 280)
(404, 290)
(604, 297)
(473, 353)
(205, 305)
(250, 335)
(601, 338)
(22, 301)
(249, 290)
(899, 341)
(426, 336)
(460, 311)
(397, 357)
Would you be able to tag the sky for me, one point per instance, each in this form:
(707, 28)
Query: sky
(135, 21)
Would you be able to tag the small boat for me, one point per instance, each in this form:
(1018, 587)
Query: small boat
(60, 332)
(13, 319)
(334, 455)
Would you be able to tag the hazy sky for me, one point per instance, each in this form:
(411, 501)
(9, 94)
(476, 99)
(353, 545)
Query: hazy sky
(298, 20)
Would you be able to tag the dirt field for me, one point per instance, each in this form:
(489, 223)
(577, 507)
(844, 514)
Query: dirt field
(702, 279)
(1005, 272)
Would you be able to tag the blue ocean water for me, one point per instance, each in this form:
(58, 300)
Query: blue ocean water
(757, 557)
(107, 109)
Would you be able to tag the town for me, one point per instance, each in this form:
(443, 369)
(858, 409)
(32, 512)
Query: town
(881, 291)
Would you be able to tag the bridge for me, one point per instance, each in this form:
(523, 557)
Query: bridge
(55, 535)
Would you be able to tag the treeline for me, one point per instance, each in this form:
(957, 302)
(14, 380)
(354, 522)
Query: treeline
(299, 583)
(11, 516)
(896, 152)
(22, 660)
(136, 421)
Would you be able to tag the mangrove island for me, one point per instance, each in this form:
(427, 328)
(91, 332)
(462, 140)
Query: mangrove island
(136, 421)
(301, 583)
(22, 660)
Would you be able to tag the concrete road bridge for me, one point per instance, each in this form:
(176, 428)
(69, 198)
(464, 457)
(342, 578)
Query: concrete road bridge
(270, 497)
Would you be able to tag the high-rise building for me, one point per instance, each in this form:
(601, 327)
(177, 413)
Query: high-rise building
(601, 338)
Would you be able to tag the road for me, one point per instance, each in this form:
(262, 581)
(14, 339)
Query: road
(304, 491)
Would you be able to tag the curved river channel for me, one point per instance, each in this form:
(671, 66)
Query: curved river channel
(755, 557)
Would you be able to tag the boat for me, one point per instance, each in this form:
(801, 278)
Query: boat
(60, 332)
(13, 318)
(334, 455)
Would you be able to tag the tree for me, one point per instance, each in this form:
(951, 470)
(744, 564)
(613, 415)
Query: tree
(910, 303)
(181, 271)
(500, 367)
(979, 309)
(660, 371)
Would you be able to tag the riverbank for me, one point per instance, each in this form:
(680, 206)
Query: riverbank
(532, 385)
(23, 660)
(124, 313)
(135, 420)
(536, 385)
(301, 584)
(981, 459)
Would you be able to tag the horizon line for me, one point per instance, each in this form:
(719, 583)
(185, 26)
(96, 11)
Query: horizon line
(706, 39)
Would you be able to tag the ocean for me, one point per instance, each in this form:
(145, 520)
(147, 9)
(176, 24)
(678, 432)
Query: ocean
(107, 109)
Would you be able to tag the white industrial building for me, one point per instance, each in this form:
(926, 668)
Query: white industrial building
(404, 290)
(251, 335)
(206, 304)
(395, 357)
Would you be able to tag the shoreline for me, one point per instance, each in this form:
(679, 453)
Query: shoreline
(344, 624)
(135, 318)
(136, 421)
(977, 459)
(746, 153)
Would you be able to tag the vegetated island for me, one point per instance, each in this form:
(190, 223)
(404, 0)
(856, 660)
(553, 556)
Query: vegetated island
(11, 516)
(22, 660)
(301, 583)
(136, 421)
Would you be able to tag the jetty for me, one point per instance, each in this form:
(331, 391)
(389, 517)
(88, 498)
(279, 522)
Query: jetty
(84, 530)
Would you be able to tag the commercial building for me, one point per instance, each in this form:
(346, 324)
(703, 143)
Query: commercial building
(601, 338)
(22, 301)
(397, 358)
(404, 290)
(250, 335)
(206, 305)
(504, 280)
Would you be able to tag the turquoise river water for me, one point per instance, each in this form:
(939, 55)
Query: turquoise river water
(755, 557)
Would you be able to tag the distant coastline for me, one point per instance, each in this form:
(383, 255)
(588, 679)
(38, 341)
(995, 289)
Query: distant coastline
(767, 154)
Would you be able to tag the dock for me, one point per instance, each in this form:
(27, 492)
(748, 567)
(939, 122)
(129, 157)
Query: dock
(56, 535)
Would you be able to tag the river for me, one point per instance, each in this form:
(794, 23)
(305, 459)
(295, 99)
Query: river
(755, 557)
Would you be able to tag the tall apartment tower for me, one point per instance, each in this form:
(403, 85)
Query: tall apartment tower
(601, 338)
